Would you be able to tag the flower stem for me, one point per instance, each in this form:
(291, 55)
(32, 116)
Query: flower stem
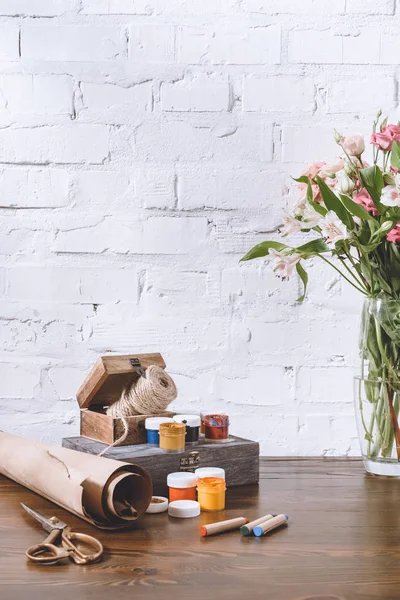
(343, 275)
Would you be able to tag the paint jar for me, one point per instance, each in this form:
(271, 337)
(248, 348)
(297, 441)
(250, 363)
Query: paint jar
(192, 423)
(210, 472)
(172, 436)
(152, 426)
(211, 493)
(182, 486)
(203, 413)
(216, 428)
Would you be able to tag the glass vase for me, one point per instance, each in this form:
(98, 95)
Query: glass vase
(377, 389)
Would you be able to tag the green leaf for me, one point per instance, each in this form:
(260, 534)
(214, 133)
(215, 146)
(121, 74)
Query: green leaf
(317, 246)
(304, 277)
(263, 249)
(355, 209)
(363, 235)
(302, 179)
(321, 210)
(395, 156)
(332, 202)
(310, 197)
(372, 179)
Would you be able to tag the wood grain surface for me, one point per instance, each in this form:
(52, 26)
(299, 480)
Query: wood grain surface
(342, 542)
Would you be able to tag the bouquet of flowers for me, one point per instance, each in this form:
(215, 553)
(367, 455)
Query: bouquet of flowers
(351, 210)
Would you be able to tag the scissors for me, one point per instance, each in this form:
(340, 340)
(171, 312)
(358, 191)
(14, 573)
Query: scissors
(48, 553)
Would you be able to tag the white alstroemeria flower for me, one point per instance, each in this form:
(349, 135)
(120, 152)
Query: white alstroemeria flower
(310, 217)
(391, 193)
(290, 224)
(284, 262)
(332, 228)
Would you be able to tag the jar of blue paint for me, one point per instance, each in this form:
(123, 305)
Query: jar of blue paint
(152, 426)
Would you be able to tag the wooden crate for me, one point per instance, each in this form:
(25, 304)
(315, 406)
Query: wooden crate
(239, 458)
(103, 386)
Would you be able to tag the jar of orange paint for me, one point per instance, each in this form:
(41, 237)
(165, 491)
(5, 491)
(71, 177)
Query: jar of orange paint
(182, 486)
(211, 493)
(172, 436)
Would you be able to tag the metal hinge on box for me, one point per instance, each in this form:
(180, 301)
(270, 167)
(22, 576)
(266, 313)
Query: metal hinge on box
(135, 362)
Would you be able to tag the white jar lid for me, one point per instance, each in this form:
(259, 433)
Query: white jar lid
(210, 472)
(184, 509)
(158, 504)
(190, 420)
(155, 422)
(182, 480)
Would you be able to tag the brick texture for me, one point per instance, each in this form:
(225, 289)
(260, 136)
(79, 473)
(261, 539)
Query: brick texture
(144, 147)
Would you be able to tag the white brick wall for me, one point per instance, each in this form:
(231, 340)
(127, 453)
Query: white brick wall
(145, 145)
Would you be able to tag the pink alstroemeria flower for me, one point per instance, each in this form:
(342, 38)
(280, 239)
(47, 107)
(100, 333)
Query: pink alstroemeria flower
(365, 200)
(394, 235)
(284, 262)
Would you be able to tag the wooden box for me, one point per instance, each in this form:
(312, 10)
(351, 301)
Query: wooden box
(239, 458)
(103, 386)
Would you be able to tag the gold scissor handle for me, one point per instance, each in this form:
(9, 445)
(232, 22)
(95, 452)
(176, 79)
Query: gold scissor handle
(79, 557)
(47, 553)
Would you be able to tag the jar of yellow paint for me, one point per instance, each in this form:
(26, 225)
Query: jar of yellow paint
(211, 493)
(172, 436)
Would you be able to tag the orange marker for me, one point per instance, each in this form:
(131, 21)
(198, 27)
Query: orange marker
(223, 526)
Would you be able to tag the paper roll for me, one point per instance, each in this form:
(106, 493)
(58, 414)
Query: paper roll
(107, 493)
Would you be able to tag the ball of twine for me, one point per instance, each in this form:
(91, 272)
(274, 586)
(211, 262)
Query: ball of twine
(147, 395)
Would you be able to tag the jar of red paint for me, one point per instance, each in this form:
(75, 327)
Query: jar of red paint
(216, 428)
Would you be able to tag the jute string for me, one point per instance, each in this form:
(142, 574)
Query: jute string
(147, 395)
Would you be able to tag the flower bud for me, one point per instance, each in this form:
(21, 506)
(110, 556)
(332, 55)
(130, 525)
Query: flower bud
(338, 138)
(386, 226)
(350, 167)
(345, 184)
(389, 178)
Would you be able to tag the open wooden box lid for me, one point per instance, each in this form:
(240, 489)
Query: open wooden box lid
(111, 374)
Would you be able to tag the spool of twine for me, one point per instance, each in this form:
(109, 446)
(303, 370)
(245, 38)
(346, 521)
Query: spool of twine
(147, 395)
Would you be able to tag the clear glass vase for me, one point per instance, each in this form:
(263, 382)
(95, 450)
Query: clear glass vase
(377, 389)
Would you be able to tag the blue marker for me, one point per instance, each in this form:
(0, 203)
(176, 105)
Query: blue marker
(269, 525)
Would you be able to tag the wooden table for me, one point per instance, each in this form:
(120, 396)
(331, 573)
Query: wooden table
(342, 542)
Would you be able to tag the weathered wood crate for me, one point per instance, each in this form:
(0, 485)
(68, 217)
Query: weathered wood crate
(239, 458)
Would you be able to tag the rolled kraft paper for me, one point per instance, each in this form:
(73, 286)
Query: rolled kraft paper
(99, 490)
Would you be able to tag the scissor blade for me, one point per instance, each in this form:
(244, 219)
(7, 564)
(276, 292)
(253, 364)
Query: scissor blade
(47, 524)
